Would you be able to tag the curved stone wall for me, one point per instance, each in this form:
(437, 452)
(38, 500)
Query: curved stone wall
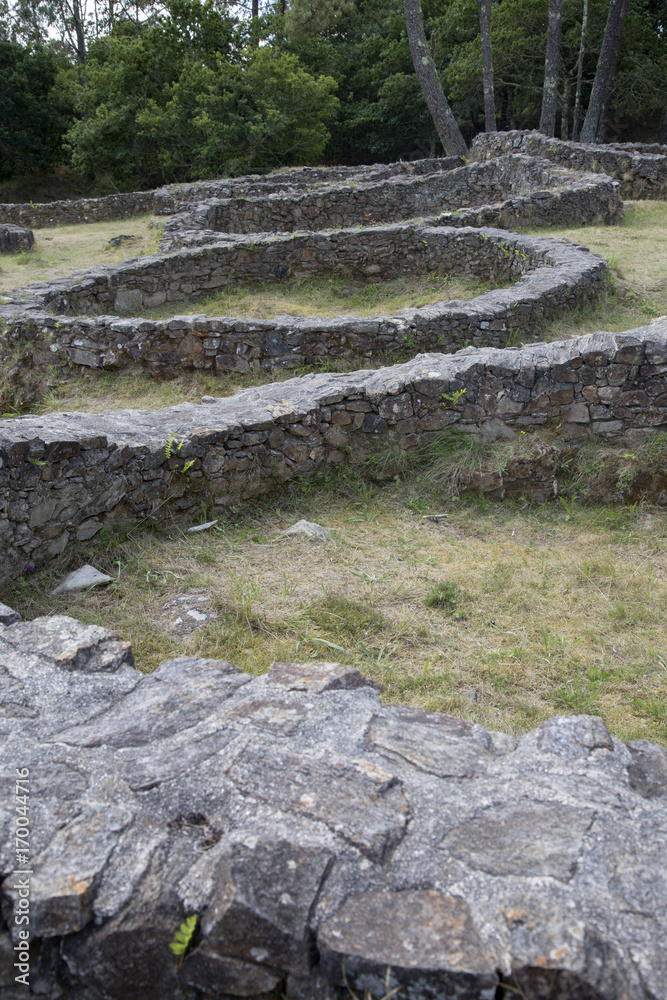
(168, 199)
(317, 836)
(172, 197)
(551, 277)
(640, 174)
(64, 476)
(508, 190)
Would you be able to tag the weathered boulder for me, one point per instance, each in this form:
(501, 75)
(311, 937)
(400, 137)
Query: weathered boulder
(15, 238)
(318, 835)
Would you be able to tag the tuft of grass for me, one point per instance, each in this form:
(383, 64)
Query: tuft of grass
(446, 595)
(346, 618)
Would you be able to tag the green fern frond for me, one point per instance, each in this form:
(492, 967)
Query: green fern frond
(183, 937)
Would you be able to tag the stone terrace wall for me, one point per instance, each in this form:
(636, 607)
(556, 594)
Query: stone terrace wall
(63, 476)
(555, 276)
(167, 199)
(308, 825)
(515, 189)
(172, 197)
(641, 175)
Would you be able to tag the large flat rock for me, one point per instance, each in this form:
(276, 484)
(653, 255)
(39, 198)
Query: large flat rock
(319, 836)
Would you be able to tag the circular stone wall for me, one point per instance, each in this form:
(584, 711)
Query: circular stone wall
(506, 191)
(549, 277)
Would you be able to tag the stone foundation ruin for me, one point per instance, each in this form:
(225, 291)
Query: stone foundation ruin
(506, 191)
(324, 842)
(551, 277)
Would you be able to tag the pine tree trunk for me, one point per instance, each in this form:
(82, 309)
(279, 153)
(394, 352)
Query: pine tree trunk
(551, 64)
(565, 112)
(254, 22)
(580, 72)
(591, 121)
(662, 131)
(484, 7)
(602, 127)
(443, 119)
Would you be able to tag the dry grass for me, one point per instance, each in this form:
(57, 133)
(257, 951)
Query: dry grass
(59, 251)
(95, 391)
(332, 296)
(637, 254)
(540, 610)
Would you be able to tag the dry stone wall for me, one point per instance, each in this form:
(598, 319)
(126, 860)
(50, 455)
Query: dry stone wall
(64, 213)
(641, 174)
(551, 276)
(172, 197)
(64, 476)
(167, 199)
(318, 837)
(508, 190)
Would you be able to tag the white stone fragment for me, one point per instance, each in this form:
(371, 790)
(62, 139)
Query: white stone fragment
(204, 527)
(82, 579)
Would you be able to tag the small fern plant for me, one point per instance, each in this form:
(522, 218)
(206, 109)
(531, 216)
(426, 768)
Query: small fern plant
(452, 398)
(183, 938)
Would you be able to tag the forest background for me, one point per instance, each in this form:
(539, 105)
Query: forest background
(116, 95)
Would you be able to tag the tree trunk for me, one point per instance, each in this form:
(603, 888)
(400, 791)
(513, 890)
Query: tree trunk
(580, 72)
(565, 112)
(590, 126)
(602, 127)
(551, 64)
(484, 7)
(77, 19)
(254, 23)
(443, 119)
(662, 131)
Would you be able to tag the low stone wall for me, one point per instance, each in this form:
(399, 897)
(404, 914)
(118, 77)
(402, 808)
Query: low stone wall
(552, 276)
(318, 837)
(512, 190)
(63, 476)
(172, 197)
(168, 199)
(65, 213)
(641, 175)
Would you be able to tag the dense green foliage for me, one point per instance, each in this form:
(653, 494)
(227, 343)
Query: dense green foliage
(193, 90)
(34, 113)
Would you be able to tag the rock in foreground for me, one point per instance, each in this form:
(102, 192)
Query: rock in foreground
(15, 239)
(316, 834)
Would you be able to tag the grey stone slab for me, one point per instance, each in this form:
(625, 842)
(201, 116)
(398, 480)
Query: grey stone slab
(83, 578)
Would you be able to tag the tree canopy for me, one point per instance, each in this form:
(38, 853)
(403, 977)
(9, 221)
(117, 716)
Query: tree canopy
(133, 95)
